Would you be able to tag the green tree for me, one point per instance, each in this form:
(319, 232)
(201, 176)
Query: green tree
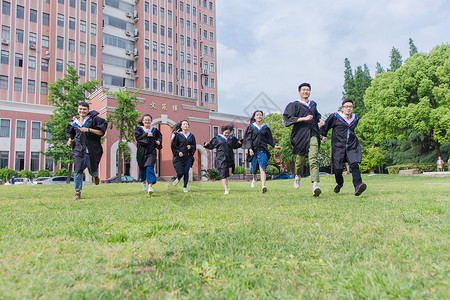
(396, 60)
(413, 99)
(282, 137)
(412, 47)
(372, 158)
(6, 174)
(380, 69)
(349, 81)
(28, 174)
(124, 119)
(43, 173)
(65, 93)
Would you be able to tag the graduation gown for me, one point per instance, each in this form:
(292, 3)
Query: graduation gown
(345, 146)
(302, 131)
(257, 139)
(146, 146)
(224, 152)
(82, 141)
(179, 144)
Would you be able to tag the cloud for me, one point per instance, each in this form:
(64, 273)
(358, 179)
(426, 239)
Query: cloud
(272, 46)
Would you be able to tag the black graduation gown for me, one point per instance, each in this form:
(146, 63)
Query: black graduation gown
(82, 140)
(179, 144)
(258, 139)
(146, 146)
(224, 152)
(302, 131)
(345, 146)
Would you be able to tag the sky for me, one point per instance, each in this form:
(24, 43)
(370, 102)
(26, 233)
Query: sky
(271, 46)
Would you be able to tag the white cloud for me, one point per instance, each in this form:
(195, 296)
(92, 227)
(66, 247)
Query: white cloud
(273, 46)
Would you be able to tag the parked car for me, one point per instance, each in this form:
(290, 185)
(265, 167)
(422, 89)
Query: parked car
(284, 176)
(59, 180)
(115, 179)
(20, 181)
(39, 179)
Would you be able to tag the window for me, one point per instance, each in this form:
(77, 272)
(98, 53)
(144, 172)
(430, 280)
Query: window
(147, 63)
(195, 76)
(155, 65)
(205, 49)
(6, 8)
(155, 84)
(170, 87)
(44, 65)
(182, 73)
(17, 84)
(155, 28)
(170, 69)
(169, 15)
(20, 129)
(72, 3)
(210, 5)
(93, 29)
(32, 62)
(206, 81)
(213, 84)
(4, 157)
(60, 21)
(163, 31)
(146, 44)
(163, 85)
(19, 35)
(169, 33)
(211, 36)
(155, 10)
(83, 5)
(146, 6)
(49, 165)
(205, 19)
(194, 27)
(163, 66)
(5, 125)
(45, 41)
(189, 75)
(211, 21)
(20, 161)
(71, 63)
(204, 3)
(34, 165)
(3, 82)
(93, 72)
(71, 45)
(182, 56)
(162, 13)
(195, 60)
(181, 6)
(206, 97)
(188, 58)
(44, 88)
(181, 23)
(147, 82)
(59, 65)
(194, 11)
(211, 51)
(205, 33)
(82, 70)
(20, 12)
(5, 57)
(188, 25)
(71, 23)
(83, 26)
(182, 91)
(188, 9)
(163, 49)
(61, 1)
(182, 39)
(188, 41)
(35, 130)
(213, 98)
(147, 26)
(94, 8)
(45, 19)
(93, 50)
(155, 46)
(60, 42)
(31, 86)
(32, 38)
(189, 92)
(169, 50)
(215, 130)
(33, 16)
(212, 67)
(5, 32)
(82, 48)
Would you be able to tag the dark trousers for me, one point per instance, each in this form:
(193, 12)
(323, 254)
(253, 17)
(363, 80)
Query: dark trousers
(185, 173)
(356, 174)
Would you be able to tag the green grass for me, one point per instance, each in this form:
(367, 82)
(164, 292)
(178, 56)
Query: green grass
(116, 242)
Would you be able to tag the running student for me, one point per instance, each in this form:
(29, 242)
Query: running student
(148, 139)
(305, 135)
(183, 148)
(84, 134)
(345, 146)
(256, 138)
(224, 143)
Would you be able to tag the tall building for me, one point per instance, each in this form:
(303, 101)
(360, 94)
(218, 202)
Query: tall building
(166, 47)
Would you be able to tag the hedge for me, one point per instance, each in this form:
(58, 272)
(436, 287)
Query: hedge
(421, 167)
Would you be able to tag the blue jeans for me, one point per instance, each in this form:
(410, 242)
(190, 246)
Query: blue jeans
(148, 174)
(187, 166)
(259, 160)
(78, 177)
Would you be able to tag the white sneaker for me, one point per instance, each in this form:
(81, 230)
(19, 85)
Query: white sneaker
(316, 191)
(185, 190)
(253, 184)
(227, 192)
(150, 190)
(264, 189)
(297, 182)
(175, 182)
(144, 186)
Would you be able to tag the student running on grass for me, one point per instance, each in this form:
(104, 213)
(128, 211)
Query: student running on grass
(345, 146)
(148, 139)
(256, 138)
(84, 134)
(303, 114)
(224, 143)
(183, 148)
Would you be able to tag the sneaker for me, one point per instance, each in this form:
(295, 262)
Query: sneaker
(316, 191)
(253, 184)
(144, 186)
(175, 182)
(77, 196)
(360, 189)
(297, 182)
(150, 190)
(227, 192)
(264, 189)
(96, 180)
(185, 190)
(337, 188)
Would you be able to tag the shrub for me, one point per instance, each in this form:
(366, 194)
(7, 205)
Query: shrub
(212, 174)
(43, 173)
(239, 170)
(395, 169)
(272, 170)
(28, 174)
(62, 172)
(6, 174)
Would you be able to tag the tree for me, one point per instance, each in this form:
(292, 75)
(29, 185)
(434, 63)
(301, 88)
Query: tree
(124, 119)
(380, 69)
(413, 99)
(396, 60)
(349, 81)
(412, 47)
(65, 93)
(6, 174)
(372, 158)
(355, 86)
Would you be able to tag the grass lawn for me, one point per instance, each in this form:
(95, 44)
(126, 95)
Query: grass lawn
(116, 242)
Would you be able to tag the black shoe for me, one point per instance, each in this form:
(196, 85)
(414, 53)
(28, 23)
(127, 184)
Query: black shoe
(337, 188)
(360, 189)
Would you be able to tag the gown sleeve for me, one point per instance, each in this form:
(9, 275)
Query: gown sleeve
(329, 123)
(235, 144)
(100, 124)
(193, 144)
(158, 137)
(270, 140)
(175, 145)
(289, 115)
(140, 136)
(212, 144)
(247, 141)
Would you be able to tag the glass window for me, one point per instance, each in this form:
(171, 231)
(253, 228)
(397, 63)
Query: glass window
(60, 42)
(82, 70)
(83, 5)
(155, 28)
(71, 23)
(147, 63)
(45, 41)
(33, 15)
(32, 62)
(211, 21)
(211, 51)
(35, 130)
(155, 84)
(5, 32)
(169, 33)
(17, 84)
(169, 50)
(211, 36)
(72, 3)
(93, 50)
(83, 26)
(49, 165)
(72, 47)
(20, 12)
(32, 38)
(155, 46)
(163, 49)
(20, 129)
(155, 65)
(60, 19)
(44, 88)
(163, 85)
(162, 13)
(5, 125)
(210, 5)
(4, 157)
(44, 65)
(170, 69)
(31, 86)
(19, 35)
(82, 48)
(188, 9)
(5, 57)
(45, 19)
(61, 1)
(20, 161)
(212, 67)
(6, 8)
(59, 65)
(94, 8)
(18, 61)
(93, 72)
(163, 31)
(155, 10)
(163, 66)
(93, 29)
(34, 166)
(194, 11)
(147, 82)
(146, 44)
(146, 7)
(170, 87)
(169, 15)
(194, 27)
